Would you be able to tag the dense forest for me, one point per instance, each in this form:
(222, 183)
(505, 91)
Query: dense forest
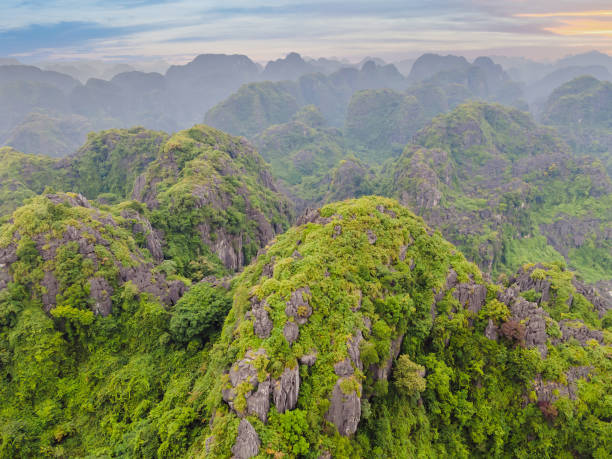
(307, 259)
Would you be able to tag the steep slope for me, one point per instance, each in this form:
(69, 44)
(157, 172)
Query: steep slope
(23, 176)
(361, 333)
(382, 121)
(482, 79)
(48, 134)
(256, 106)
(109, 162)
(90, 364)
(301, 154)
(210, 197)
(104, 167)
(214, 199)
(581, 112)
(507, 191)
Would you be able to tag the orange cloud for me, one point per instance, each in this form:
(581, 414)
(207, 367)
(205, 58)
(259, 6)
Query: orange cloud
(566, 14)
(583, 27)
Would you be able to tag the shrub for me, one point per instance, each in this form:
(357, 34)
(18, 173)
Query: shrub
(409, 378)
(199, 313)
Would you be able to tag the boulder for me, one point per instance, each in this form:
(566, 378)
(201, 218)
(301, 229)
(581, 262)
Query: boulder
(262, 324)
(247, 442)
(344, 410)
(286, 390)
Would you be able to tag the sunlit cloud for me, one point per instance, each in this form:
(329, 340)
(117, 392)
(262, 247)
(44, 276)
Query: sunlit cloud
(175, 30)
(583, 27)
(566, 14)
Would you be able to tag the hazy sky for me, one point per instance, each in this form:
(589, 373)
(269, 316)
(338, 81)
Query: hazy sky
(176, 30)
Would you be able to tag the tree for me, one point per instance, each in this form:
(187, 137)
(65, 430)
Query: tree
(199, 313)
(409, 376)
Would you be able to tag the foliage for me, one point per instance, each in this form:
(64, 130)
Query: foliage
(199, 313)
(409, 376)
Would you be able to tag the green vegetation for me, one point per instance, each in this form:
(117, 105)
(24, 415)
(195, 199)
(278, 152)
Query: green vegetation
(580, 110)
(367, 282)
(379, 123)
(458, 394)
(254, 107)
(23, 176)
(199, 313)
(212, 196)
(507, 191)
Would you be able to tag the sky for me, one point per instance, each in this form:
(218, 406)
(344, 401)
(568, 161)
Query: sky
(177, 30)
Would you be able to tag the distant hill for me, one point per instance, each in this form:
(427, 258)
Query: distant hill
(580, 110)
(507, 191)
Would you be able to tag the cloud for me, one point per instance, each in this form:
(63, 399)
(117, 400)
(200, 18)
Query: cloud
(177, 29)
(58, 35)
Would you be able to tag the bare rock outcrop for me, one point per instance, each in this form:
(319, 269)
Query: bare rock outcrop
(471, 295)
(101, 291)
(262, 324)
(141, 225)
(247, 442)
(258, 397)
(550, 391)
(51, 289)
(308, 359)
(291, 332)
(298, 306)
(580, 332)
(287, 389)
(344, 410)
(534, 319)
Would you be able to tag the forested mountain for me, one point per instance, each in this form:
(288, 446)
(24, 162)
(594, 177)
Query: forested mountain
(358, 316)
(582, 113)
(349, 262)
(507, 191)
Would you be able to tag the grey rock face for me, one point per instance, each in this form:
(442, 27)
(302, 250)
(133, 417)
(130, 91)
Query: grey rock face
(470, 295)
(143, 226)
(534, 319)
(491, 331)
(259, 401)
(75, 201)
(354, 350)
(156, 284)
(8, 255)
(262, 325)
(371, 237)
(382, 370)
(287, 389)
(291, 332)
(344, 410)
(602, 303)
(247, 442)
(258, 398)
(308, 359)
(525, 282)
(101, 291)
(579, 332)
(268, 269)
(549, 391)
(344, 368)
(51, 286)
(228, 247)
(298, 307)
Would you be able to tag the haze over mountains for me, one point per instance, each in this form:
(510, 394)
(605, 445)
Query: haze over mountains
(50, 109)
